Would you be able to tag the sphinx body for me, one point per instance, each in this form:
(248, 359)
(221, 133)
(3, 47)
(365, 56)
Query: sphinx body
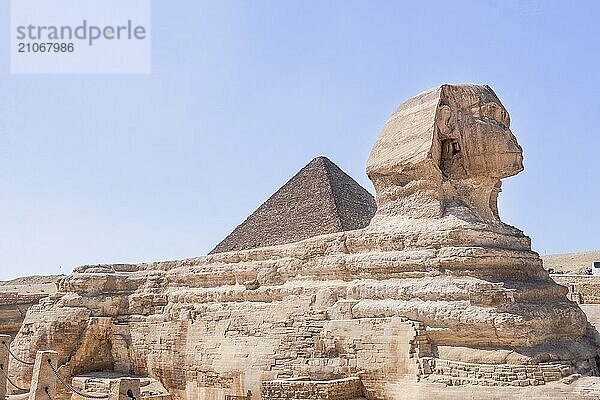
(436, 279)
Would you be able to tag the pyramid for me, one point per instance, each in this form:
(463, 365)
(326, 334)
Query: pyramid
(319, 199)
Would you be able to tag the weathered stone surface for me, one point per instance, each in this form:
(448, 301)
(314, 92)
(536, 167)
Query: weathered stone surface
(117, 385)
(44, 381)
(435, 289)
(18, 295)
(304, 388)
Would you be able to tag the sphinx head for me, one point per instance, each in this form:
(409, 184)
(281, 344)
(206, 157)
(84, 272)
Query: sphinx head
(445, 149)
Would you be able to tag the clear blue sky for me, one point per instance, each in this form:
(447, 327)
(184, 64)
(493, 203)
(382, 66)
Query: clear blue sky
(109, 168)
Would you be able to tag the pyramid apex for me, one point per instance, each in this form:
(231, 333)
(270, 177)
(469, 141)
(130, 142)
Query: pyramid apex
(322, 159)
(319, 199)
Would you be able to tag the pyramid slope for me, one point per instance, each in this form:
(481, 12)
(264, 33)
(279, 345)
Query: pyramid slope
(354, 204)
(319, 199)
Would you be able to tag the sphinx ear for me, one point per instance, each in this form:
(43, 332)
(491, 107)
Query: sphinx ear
(443, 120)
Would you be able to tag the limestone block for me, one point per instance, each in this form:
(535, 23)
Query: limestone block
(44, 381)
(124, 389)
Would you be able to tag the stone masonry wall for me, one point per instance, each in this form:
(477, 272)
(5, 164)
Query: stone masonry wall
(210, 350)
(454, 373)
(193, 353)
(339, 389)
(583, 289)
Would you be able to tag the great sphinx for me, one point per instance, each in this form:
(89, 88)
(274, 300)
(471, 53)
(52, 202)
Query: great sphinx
(434, 288)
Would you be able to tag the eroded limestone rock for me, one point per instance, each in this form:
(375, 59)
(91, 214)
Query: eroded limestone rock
(435, 285)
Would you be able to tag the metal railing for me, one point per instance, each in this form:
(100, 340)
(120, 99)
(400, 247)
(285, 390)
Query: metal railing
(14, 356)
(130, 394)
(10, 380)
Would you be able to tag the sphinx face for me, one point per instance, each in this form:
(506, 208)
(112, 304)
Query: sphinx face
(491, 148)
(447, 147)
(476, 140)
